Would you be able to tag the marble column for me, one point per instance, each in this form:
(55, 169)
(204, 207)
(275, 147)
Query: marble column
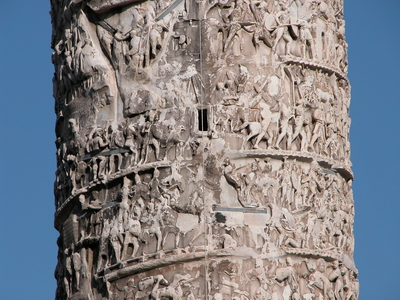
(202, 150)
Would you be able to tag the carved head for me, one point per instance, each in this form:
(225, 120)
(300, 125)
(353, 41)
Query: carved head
(321, 265)
(343, 270)
(289, 261)
(137, 178)
(335, 264)
(220, 86)
(218, 296)
(227, 161)
(95, 195)
(82, 198)
(259, 263)
(131, 283)
(311, 265)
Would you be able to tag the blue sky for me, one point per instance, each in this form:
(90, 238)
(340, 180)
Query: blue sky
(28, 248)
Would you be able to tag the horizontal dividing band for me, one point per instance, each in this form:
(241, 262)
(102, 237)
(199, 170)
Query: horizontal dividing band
(241, 209)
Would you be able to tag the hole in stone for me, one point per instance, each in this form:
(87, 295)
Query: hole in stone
(203, 120)
(220, 217)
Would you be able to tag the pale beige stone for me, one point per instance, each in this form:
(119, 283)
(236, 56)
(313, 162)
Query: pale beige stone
(202, 150)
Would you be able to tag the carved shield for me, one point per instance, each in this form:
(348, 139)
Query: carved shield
(269, 22)
(294, 29)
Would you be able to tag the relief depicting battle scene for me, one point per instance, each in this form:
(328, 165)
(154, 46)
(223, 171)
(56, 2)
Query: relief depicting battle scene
(202, 150)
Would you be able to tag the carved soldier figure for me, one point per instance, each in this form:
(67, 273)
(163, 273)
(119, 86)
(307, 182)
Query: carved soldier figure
(235, 17)
(318, 119)
(134, 141)
(117, 141)
(299, 121)
(141, 191)
(156, 191)
(96, 143)
(132, 232)
(129, 290)
(306, 40)
(282, 29)
(152, 135)
(265, 23)
(285, 116)
(288, 275)
(286, 183)
(320, 281)
(94, 210)
(116, 239)
(77, 263)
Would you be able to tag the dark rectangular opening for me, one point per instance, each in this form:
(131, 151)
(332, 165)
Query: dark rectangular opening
(202, 119)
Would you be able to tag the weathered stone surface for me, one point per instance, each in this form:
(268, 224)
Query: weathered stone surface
(202, 150)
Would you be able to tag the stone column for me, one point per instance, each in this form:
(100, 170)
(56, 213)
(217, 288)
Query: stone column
(202, 150)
